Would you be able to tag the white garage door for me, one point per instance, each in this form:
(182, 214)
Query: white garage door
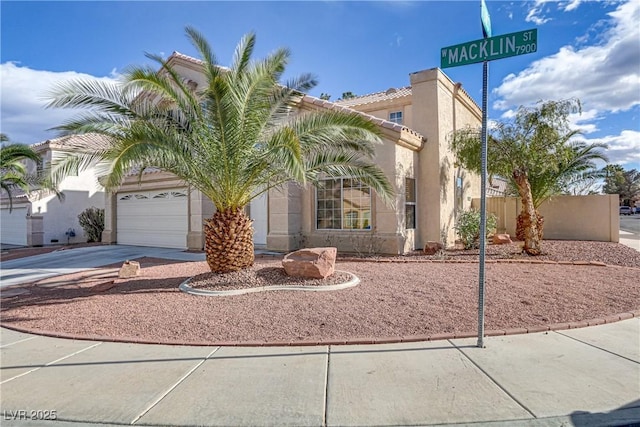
(13, 226)
(153, 218)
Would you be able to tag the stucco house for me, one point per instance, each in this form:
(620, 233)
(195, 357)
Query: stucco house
(415, 122)
(41, 218)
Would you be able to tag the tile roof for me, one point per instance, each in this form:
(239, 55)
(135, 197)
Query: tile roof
(377, 120)
(342, 105)
(88, 141)
(389, 94)
(150, 170)
(191, 59)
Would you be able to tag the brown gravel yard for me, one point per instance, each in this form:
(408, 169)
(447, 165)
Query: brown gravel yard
(394, 299)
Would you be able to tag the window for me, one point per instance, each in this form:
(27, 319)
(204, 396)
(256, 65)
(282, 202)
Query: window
(40, 164)
(410, 203)
(396, 117)
(458, 202)
(343, 204)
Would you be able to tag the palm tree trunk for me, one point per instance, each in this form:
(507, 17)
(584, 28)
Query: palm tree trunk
(229, 241)
(520, 226)
(529, 216)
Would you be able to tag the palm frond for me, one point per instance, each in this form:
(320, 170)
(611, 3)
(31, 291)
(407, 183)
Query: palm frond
(231, 139)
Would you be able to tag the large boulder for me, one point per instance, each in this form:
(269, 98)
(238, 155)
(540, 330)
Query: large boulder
(501, 239)
(432, 248)
(314, 263)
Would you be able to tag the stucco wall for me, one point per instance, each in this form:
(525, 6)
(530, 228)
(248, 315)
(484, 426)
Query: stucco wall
(439, 108)
(291, 229)
(58, 216)
(594, 217)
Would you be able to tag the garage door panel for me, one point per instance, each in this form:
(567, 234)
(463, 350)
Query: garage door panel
(154, 239)
(153, 218)
(152, 223)
(13, 226)
(152, 207)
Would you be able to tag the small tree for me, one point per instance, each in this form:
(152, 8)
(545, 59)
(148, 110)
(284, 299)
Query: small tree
(626, 183)
(468, 227)
(348, 95)
(536, 153)
(92, 222)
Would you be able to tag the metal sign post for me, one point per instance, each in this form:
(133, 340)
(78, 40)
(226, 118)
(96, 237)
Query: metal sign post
(483, 203)
(485, 50)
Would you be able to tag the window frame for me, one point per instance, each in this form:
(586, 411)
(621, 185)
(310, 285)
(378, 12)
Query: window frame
(399, 117)
(412, 204)
(341, 208)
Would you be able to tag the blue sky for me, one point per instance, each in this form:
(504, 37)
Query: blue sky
(586, 49)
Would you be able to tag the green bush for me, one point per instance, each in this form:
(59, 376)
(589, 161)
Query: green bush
(468, 227)
(92, 222)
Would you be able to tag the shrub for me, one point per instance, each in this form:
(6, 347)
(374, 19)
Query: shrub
(468, 227)
(92, 222)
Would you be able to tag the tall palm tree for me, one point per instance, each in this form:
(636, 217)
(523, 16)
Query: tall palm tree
(14, 174)
(233, 139)
(538, 156)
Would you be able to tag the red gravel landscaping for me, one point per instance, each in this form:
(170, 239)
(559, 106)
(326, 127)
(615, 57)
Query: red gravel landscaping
(419, 297)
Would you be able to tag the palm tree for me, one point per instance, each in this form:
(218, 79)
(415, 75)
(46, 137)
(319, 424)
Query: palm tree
(14, 174)
(536, 153)
(233, 139)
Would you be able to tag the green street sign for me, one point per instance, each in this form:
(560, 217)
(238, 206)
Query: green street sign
(491, 48)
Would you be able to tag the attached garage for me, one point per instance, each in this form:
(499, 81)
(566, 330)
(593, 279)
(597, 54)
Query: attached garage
(13, 226)
(161, 212)
(153, 218)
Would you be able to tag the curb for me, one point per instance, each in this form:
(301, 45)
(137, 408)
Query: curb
(348, 341)
(353, 281)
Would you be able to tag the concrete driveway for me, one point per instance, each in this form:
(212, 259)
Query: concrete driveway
(29, 269)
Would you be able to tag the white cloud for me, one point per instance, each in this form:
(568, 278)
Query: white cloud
(577, 121)
(605, 77)
(536, 12)
(397, 40)
(624, 149)
(24, 116)
(509, 114)
(573, 4)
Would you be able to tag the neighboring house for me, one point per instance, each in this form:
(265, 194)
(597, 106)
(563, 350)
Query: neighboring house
(40, 218)
(497, 187)
(415, 122)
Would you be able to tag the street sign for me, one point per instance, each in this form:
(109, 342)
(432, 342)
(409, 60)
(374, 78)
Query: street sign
(502, 46)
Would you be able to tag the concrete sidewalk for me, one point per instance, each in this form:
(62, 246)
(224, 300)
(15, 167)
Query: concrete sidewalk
(581, 377)
(37, 267)
(630, 239)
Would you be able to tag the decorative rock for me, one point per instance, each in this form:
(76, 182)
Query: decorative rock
(431, 248)
(316, 263)
(129, 269)
(501, 239)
